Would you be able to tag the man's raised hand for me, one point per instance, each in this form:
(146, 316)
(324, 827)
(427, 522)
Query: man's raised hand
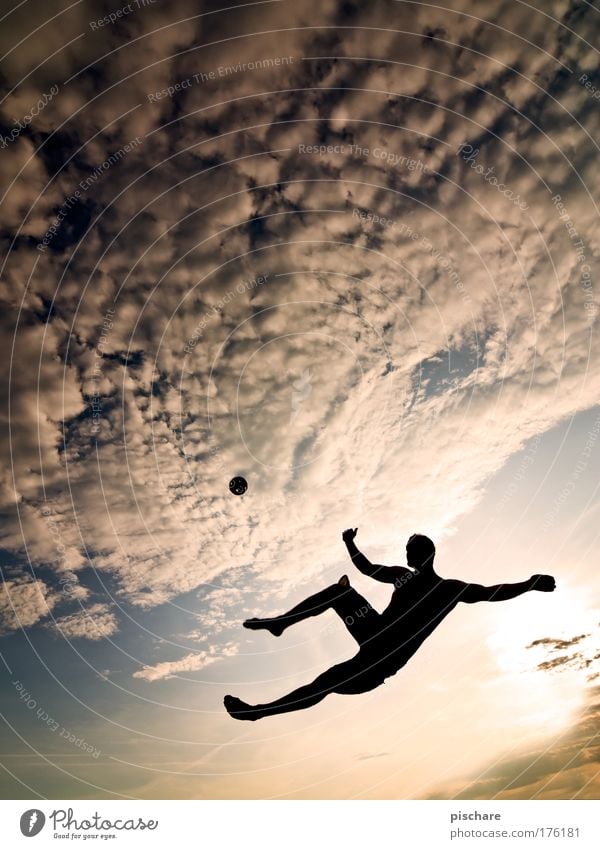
(349, 534)
(543, 583)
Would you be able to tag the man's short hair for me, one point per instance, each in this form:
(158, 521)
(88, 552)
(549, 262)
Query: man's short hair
(423, 545)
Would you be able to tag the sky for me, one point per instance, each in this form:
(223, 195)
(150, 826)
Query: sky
(349, 252)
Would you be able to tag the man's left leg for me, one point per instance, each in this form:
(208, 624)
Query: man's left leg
(359, 617)
(346, 676)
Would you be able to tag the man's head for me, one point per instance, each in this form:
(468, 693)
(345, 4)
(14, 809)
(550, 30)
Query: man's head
(420, 552)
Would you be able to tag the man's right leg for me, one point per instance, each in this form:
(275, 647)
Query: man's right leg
(347, 677)
(350, 606)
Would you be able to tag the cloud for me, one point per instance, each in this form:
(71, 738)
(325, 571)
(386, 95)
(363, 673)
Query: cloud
(192, 662)
(226, 299)
(23, 603)
(96, 622)
(585, 659)
(553, 643)
(220, 611)
(371, 756)
(152, 364)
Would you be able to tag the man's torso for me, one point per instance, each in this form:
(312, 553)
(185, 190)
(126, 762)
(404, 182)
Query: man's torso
(415, 610)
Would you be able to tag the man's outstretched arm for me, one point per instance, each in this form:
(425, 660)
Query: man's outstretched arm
(387, 574)
(503, 592)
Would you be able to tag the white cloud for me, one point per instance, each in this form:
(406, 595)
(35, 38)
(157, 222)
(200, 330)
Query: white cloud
(148, 502)
(95, 622)
(193, 662)
(23, 602)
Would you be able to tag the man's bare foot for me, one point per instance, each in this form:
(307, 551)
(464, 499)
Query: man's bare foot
(272, 625)
(238, 709)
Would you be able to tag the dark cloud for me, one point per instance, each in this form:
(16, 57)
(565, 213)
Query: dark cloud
(583, 659)
(557, 644)
(370, 757)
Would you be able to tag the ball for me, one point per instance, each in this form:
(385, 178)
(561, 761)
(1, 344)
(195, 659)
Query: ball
(238, 485)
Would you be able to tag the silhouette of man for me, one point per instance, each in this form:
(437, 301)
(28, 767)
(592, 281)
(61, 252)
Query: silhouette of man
(420, 601)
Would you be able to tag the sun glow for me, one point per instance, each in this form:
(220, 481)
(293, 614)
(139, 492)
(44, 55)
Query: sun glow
(546, 653)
